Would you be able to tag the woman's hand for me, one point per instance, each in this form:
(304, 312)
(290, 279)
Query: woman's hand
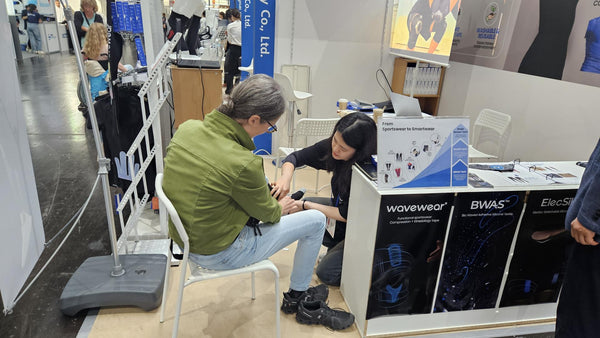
(288, 205)
(280, 188)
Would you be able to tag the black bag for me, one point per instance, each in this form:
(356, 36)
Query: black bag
(120, 121)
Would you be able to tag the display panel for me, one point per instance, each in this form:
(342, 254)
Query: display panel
(407, 255)
(537, 266)
(479, 241)
(424, 29)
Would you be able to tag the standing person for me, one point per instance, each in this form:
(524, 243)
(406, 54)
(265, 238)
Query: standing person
(60, 19)
(354, 139)
(34, 19)
(217, 197)
(579, 304)
(96, 55)
(164, 26)
(188, 13)
(222, 19)
(84, 18)
(234, 47)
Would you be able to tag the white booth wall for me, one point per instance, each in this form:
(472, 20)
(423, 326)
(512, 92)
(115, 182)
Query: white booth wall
(552, 120)
(341, 41)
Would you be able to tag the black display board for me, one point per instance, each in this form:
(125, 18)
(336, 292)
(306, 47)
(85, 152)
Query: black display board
(480, 235)
(407, 253)
(537, 267)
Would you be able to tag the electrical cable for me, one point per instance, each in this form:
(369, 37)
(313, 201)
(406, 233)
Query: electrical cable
(386, 92)
(84, 206)
(63, 228)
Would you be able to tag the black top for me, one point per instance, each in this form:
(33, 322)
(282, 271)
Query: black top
(314, 156)
(78, 18)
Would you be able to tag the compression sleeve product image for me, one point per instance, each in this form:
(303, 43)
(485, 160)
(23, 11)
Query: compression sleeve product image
(591, 63)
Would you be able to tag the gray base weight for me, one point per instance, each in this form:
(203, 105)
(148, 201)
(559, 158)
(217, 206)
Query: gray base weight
(93, 286)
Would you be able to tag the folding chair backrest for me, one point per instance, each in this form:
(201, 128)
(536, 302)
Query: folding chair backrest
(491, 131)
(315, 127)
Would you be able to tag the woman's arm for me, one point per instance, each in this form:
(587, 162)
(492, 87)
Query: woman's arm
(312, 156)
(329, 211)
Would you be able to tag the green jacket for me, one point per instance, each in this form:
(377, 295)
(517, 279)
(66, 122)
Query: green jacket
(215, 183)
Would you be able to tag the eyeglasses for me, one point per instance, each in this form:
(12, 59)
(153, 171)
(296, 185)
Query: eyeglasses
(272, 128)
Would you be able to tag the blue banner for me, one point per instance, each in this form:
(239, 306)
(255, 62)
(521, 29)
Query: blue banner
(264, 37)
(263, 44)
(247, 35)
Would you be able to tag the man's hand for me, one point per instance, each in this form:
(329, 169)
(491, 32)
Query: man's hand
(582, 235)
(288, 205)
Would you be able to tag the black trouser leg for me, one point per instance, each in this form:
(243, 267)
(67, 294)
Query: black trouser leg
(578, 310)
(329, 269)
(191, 40)
(232, 62)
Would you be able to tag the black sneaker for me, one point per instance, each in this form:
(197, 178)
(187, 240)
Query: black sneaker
(314, 293)
(317, 312)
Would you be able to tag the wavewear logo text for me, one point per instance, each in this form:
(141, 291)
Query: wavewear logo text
(416, 207)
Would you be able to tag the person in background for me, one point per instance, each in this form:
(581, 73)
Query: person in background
(218, 197)
(164, 26)
(33, 19)
(222, 20)
(95, 51)
(188, 12)
(24, 17)
(579, 303)
(234, 48)
(60, 19)
(60, 13)
(84, 18)
(354, 139)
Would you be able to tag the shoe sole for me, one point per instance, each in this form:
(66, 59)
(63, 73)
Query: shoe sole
(309, 321)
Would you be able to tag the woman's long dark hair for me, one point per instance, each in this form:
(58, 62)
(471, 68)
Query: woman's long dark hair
(359, 132)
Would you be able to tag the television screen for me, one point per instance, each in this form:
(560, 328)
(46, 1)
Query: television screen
(424, 29)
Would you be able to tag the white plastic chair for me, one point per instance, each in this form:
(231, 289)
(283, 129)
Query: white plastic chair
(198, 273)
(491, 132)
(292, 96)
(306, 127)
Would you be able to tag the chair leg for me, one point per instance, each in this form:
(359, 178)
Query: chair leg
(317, 183)
(165, 287)
(180, 295)
(277, 311)
(253, 288)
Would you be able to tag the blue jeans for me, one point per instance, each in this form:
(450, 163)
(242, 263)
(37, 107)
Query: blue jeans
(306, 227)
(35, 37)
